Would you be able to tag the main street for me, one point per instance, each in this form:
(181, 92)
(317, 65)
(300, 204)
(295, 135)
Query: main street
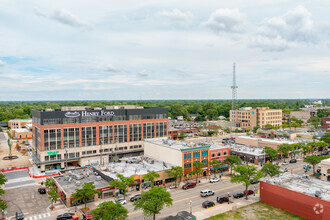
(181, 198)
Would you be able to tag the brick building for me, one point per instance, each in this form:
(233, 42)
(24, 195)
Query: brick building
(18, 123)
(82, 136)
(326, 122)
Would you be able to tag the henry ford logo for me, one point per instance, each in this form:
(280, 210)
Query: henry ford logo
(318, 208)
(72, 114)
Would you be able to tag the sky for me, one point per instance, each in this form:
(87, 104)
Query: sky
(150, 49)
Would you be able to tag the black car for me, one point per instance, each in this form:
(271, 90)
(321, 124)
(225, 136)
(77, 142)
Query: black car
(254, 181)
(238, 195)
(65, 216)
(19, 215)
(42, 190)
(222, 199)
(207, 204)
(293, 161)
(134, 198)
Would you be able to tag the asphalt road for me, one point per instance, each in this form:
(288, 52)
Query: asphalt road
(181, 198)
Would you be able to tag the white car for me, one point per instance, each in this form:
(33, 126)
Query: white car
(285, 163)
(283, 170)
(214, 179)
(122, 201)
(207, 192)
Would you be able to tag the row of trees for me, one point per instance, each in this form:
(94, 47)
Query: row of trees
(3, 204)
(209, 108)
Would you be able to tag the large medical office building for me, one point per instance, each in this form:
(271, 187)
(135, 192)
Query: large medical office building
(80, 136)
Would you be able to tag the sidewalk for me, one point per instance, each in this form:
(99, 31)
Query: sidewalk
(225, 207)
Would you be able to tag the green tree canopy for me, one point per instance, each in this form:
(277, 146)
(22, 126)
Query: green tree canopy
(109, 211)
(245, 174)
(215, 164)
(122, 183)
(3, 206)
(326, 138)
(50, 182)
(86, 192)
(197, 169)
(176, 173)
(271, 170)
(232, 160)
(211, 114)
(3, 179)
(284, 149)
(312, 160)
(151, 176)
(153, 201)
(53, 196)
(271, 153)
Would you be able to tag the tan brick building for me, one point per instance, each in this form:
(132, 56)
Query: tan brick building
(248, 118)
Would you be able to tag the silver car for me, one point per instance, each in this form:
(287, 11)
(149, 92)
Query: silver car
(122, 201)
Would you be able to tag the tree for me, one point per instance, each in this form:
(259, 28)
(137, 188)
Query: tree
(315, 121)
(244, 174)
(211, 114)
(305, 149)
(197, 169)
(122, 183)
(176, 173)
(227, 130)
(232, 160)
(326, 138)
(313, 146)
(215, 164)
(178, 110)
(50, 182)
(183, 135)
(271, 153)
(255, 128)
(295, 125)
(3, 179)
(312, 160)
(153, 201)
(268, 126)
(3, 206)
(271, 170)
(284, 149)
(86, 192)
(151, 176)
(53, 196)
(200, 118)
(110, 211)
(321, 144)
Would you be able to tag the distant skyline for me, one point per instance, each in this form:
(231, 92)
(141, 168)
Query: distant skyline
(156, 50)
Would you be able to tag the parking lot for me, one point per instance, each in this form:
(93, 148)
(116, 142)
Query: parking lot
(26, 199)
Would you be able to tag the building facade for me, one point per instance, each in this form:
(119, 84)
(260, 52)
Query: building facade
(18, 123)
(248, 118)
(82, 136)
(326, 122)
(325, 170)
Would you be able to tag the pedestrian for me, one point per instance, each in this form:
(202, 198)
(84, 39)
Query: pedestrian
(228, 195)
(220, 176)
(228, 201)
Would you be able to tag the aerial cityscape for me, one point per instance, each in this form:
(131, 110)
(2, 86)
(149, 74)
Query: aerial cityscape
(164, 110)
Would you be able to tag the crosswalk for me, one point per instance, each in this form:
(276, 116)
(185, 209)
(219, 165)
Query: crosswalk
(40, 216)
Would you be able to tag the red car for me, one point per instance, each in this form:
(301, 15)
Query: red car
(189, 185)
(249, 192)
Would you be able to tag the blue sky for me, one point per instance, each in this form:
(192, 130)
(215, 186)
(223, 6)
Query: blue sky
(149, 49)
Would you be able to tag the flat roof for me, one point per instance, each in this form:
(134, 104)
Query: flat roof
(19, 130)
(244, 149)
(270, 140)
(69, 182)
(131, 166)
(21, 120)
(177, 145)
(303, 184)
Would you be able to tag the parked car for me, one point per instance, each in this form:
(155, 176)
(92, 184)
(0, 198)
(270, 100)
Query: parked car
(318, 170)
(19, 215)
(207, 192)
(65, 216)
(42, 190)
(293, 161)
(136, 197)
(254, 181)
(207, 204)
(122, 201)
(249, 192)
(284, 169)
(188, 186)
(214, 179)
(325, 153)
(222, 199)
(285, 163)
(238, 195)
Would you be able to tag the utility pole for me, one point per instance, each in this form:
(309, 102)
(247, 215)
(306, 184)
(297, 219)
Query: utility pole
(66, 158)
(234, 99)
(101, 152)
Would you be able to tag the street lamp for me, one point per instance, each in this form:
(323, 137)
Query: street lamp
(66, 158)
(101, 152)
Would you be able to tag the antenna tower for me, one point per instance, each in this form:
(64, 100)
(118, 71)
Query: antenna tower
(234, 96)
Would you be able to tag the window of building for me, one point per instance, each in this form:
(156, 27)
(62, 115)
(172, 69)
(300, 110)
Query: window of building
(225, 153)
(219, 154)
(213, 155)
(187, 165)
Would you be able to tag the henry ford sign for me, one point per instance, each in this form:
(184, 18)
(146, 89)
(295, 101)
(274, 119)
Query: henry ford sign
(89, 114)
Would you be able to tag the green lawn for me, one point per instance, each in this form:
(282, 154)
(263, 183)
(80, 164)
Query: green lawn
(256, 211)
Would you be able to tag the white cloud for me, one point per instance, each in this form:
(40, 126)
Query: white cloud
(2, 63)
(110, 68)
(39, 13)
(225, 20)
(143, 73)
(268, 44)
(66, 17)
(295, 25)
(177, 15)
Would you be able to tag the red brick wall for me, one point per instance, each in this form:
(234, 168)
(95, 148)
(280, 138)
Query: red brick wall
(294, 202)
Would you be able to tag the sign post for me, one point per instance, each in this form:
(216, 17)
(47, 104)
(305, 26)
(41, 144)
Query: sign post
(190, 204)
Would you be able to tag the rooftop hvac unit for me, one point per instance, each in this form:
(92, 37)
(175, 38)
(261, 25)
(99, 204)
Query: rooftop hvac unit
(78, 183)
(70, 179)
(66, 178)
(98, 178)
